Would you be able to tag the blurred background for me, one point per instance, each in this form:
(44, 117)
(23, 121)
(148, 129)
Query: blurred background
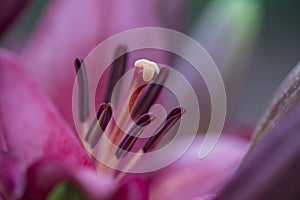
(255, 41)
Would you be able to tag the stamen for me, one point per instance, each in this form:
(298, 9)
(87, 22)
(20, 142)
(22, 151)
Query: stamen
(171, 119)
(149, 94)
(136, 88)
(149, 68)
(99, 124)
(141, 95)
(118, 69)
(83, 89)
(133, 134)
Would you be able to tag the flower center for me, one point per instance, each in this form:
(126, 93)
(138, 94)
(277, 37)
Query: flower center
(134, 116)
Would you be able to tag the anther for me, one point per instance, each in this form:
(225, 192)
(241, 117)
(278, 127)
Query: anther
(118, 69)
(149, 68)
(171, 119)
(99, 124)
(83, 89)
(133, 134)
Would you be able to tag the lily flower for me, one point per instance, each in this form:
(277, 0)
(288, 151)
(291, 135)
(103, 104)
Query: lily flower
(42, 157)
(33, 132)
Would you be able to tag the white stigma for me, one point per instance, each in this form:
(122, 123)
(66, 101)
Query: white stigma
(149, 68)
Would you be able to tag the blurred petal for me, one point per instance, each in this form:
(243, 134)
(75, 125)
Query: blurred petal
(205, 197)
(271, 170)
(31, 125)
(169, 10)
(127, 15)
(227, 30)
(67, 30)
(190, 177)
(95, 185)
(134, 188)
(72, 28)
(283, 100)
(9, 11)
(11, 176)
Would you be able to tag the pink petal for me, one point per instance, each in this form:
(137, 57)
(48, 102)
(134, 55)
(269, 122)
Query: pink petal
(11, 176)
(132, 188)
(72, 28)
(95, 185)
(271, 169)
(31, 125)
(205, 197)
(190, 177)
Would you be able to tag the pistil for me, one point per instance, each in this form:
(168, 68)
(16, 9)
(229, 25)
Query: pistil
(136, 89)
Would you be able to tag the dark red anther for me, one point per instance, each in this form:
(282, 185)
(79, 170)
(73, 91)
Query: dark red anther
(99, 124)
(118, 69)
(171, 119)
(83, 89)
(133, 134)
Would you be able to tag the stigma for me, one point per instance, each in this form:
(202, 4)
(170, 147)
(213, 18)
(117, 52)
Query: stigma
(149, 68)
